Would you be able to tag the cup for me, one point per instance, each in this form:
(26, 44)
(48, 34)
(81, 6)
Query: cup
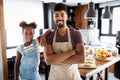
(114, 52)
(90, 59)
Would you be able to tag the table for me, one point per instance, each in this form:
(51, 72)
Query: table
(101, 66)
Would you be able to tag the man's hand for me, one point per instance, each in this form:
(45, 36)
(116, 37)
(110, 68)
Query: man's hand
(72, 52)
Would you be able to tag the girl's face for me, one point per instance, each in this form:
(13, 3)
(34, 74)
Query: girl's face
(28, 34)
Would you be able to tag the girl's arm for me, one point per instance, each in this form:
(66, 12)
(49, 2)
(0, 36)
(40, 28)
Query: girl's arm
(42, 38)
(16, 67)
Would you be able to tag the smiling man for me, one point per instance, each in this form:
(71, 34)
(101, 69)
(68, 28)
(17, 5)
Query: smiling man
(65, 48)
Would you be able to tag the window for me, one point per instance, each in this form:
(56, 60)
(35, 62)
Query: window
(105, 26)
(116, 20)
(16, 11)
(109, 28)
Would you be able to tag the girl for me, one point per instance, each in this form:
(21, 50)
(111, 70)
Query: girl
(27, 60)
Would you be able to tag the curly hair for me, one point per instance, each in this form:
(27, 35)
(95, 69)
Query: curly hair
(23, 24)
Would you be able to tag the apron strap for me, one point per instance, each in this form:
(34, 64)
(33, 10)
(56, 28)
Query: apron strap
(34, 43)
(68, 32)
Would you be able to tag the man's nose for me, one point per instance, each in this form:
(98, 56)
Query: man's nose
(59, 17)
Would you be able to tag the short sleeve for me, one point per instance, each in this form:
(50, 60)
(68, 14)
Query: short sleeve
(78, 37)
(19, 49)
(37, 45)
(49, 38)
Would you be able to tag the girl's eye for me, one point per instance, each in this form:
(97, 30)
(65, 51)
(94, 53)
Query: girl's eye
(28, 33)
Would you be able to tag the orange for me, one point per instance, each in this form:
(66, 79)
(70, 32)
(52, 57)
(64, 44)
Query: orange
(102, 51)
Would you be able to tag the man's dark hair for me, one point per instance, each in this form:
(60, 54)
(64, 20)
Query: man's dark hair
(59, 7)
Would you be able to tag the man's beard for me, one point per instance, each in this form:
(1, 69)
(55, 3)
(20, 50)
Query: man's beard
(60, 25)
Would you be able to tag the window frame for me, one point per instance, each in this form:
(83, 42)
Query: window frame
(110, 23)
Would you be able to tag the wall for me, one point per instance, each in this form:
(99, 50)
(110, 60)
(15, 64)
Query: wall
(3, 60)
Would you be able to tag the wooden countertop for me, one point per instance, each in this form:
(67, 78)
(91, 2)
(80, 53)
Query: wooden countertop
(101, 65)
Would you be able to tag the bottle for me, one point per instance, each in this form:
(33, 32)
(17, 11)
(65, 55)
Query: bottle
(90, 58)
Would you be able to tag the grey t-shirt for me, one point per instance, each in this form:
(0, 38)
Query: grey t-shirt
(76, 37)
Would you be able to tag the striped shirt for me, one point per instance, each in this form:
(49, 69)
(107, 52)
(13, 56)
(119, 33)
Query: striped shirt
(30, 47)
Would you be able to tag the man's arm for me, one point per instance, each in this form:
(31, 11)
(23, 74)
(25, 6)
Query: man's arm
(79, 57)
(52, 58)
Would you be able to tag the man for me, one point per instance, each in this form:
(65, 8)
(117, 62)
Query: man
(64, 49)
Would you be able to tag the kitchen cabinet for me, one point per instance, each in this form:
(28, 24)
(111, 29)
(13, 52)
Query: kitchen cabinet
(80, 21)
(76, 16)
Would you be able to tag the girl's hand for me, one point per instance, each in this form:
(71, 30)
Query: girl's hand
(43, 38)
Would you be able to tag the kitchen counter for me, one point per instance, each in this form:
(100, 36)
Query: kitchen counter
(101, 66)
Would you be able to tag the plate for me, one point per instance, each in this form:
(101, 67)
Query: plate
(104, 59)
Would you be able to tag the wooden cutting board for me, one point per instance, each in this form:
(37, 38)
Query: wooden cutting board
(87, 66)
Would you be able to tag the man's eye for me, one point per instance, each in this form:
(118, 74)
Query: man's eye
(56, 16)
(62, 15)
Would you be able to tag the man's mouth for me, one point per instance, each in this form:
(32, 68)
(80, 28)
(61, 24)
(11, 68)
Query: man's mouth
(60, 21)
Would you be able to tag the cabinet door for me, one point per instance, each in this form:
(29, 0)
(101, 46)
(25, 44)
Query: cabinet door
(80, 21)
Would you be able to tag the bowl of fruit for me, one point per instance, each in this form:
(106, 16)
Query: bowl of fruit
(103, 54)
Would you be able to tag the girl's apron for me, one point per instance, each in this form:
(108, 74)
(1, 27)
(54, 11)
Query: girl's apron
(63, 71)
(29, 65)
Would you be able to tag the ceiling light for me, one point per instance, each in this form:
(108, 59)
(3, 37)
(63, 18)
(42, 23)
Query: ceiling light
(90, 13)
(106, 14)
